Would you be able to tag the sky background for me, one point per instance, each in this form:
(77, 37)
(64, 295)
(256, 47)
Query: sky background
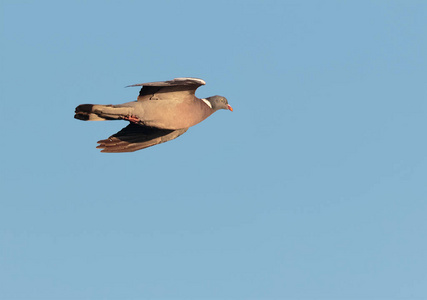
(315, 187)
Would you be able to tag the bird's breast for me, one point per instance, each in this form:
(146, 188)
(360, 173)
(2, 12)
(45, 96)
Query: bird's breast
(173, 114)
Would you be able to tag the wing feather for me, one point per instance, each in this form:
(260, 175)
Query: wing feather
(135, 137)
(177, 88)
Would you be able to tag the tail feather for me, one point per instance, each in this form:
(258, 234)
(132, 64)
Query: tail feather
(95, 112)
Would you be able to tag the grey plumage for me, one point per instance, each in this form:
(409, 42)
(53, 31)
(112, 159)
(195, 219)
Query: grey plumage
(163, 111)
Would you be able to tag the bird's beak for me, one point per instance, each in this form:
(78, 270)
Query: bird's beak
(229, 107)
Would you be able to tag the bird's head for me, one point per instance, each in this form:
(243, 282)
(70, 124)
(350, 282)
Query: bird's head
(219, 102)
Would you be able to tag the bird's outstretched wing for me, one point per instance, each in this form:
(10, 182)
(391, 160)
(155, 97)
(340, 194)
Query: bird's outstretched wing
(135, 137)
(178, 88)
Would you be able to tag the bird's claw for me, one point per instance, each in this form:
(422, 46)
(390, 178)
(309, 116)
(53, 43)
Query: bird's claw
(131, 119)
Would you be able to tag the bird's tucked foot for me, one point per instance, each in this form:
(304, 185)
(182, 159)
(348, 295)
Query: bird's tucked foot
(132, 119)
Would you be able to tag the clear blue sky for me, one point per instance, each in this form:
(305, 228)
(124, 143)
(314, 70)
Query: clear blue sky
(315, 187)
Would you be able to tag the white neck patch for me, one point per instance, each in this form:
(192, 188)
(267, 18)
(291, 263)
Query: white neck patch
(207, 102)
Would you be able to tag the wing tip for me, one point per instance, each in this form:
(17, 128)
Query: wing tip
(193, 80)
(197, 80)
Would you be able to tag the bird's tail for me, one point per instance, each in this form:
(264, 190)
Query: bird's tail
(96, 112)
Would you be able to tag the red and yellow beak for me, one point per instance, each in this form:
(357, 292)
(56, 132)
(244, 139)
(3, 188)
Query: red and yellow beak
(229, 107)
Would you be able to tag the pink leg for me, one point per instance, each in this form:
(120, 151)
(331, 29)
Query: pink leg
(131, 119)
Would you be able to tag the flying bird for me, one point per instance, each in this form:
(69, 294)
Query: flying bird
(163, 111)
